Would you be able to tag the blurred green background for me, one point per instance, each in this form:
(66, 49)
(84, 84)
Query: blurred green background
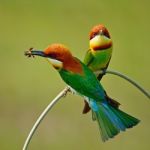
(28, 85)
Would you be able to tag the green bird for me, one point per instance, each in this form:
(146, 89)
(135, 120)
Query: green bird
(80, 78)
(97, 58)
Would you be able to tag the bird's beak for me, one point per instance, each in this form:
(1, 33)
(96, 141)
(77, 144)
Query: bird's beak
(30, 53)
(56, 63)
(38, 53)
(101, 32)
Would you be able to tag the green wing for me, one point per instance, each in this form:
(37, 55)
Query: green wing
(85, 84)
(88, 58)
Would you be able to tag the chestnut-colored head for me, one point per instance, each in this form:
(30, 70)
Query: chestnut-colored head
(59, 56)
(100, 38)
(97, 29)
(58, 52)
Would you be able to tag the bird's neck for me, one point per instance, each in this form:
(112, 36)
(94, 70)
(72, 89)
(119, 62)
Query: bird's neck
(73, 65)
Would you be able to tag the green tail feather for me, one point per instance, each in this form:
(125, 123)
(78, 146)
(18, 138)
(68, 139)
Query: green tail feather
(112, 120)
(127, 120)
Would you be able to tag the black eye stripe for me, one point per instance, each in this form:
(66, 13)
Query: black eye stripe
(107, 34)
(52, 55)
(96, 33)
(93, 35)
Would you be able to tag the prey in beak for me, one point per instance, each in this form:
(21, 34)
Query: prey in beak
(31, 52)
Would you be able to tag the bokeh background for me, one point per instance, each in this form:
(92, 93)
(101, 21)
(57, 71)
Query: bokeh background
(28, 85)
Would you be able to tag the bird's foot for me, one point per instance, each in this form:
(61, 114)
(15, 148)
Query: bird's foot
(71, 90)
(66, 91)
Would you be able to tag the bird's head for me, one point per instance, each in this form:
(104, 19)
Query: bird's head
(100, 38)
(56, 54)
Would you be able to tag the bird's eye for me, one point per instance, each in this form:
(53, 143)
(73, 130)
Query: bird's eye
(106, 33)
(52, 55)
(93, 35)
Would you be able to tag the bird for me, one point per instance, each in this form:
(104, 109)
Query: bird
(78, 76)
(98, 56)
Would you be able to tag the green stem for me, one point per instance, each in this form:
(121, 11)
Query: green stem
(138, 86)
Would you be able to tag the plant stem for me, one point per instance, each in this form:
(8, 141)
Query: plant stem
(138, 86)
(41, 117)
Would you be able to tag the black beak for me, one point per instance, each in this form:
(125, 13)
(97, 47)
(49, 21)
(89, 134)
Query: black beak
(101, 32)
(39, 53)
(30, 53)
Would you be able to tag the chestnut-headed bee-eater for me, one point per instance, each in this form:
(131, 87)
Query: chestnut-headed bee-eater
(98, 56)
(77, 75)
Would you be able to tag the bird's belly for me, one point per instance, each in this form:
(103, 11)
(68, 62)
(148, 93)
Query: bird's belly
(101, 60)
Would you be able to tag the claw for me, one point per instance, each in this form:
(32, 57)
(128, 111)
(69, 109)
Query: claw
(66, 91)
(72, 91)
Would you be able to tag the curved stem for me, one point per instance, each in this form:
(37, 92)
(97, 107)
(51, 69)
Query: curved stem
(41, 117)
(146, 93)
